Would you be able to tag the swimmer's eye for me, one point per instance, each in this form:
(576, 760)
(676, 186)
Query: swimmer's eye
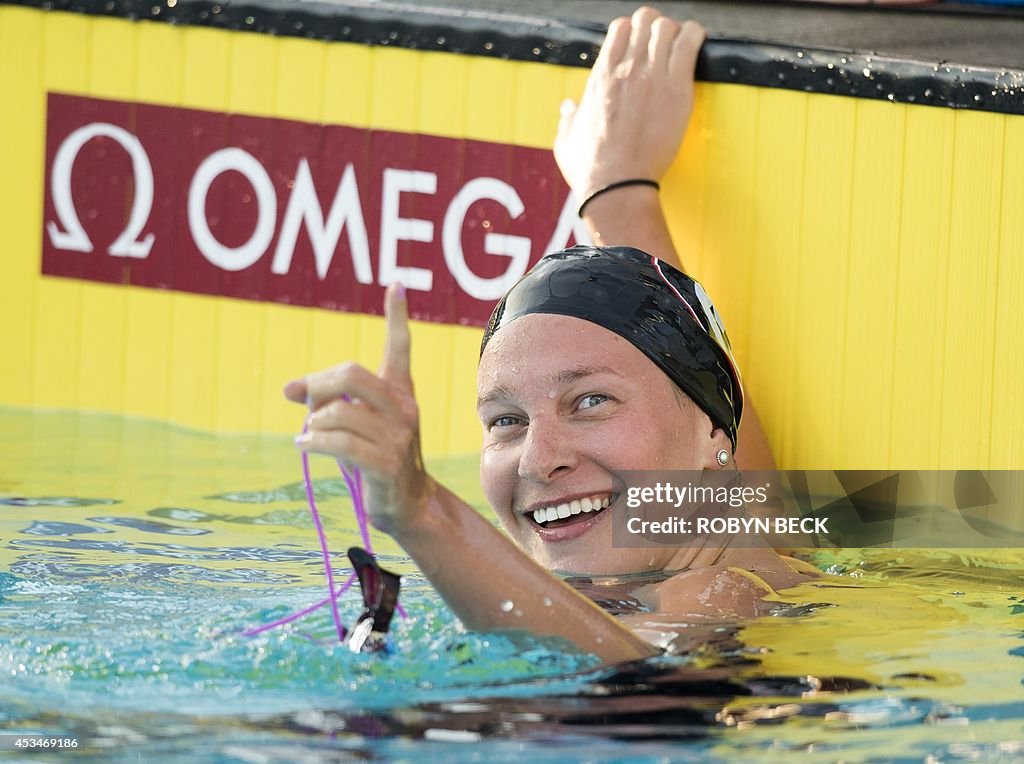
(592, 400)
(505, 421)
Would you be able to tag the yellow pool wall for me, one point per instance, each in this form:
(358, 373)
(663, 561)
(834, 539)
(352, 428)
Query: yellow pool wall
(867, 257)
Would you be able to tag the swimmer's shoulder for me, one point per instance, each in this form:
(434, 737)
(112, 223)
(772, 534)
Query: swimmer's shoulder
(776, 570)
(736, 587)
(717, 591)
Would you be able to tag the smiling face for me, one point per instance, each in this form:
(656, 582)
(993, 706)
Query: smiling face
(566, 406)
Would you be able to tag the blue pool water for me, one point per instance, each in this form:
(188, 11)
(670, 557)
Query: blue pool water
(132, 554)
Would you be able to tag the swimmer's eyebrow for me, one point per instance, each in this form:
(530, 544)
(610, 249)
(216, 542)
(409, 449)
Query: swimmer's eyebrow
(499, 393)
(564, 377)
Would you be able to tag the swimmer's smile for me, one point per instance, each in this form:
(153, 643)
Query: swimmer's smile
(569, 517)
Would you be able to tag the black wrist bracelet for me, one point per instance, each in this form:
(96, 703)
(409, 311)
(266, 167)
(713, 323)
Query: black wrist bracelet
(618, 184)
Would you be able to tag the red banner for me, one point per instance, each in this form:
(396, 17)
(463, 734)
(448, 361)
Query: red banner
(292, 212)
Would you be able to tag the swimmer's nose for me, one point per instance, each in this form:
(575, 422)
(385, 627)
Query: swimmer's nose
(547, 453)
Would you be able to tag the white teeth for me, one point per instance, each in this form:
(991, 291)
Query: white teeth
(562, 511)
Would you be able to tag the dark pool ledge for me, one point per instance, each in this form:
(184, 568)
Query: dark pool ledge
(465, 28)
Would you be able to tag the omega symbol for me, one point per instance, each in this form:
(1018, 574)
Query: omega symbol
(73, 237)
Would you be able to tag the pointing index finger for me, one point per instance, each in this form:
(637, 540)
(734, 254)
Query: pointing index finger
(395, 367)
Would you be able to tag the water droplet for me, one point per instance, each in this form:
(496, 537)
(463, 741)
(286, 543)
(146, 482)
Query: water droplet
(831, 66)
(867, 73)
(891, 97)
(799, 54)
(548, 602)
(507, 606)
(844, 60)
(977, 99)
(927, 92)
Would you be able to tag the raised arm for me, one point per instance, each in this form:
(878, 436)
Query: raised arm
(629, 125)
(488, 582)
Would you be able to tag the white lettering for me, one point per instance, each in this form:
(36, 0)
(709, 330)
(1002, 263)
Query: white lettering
(304, 208)
(569, 222)
(801, 525)
(394, 228)
(73, 237)
(516, 248)
(732, 525)
(243, 256)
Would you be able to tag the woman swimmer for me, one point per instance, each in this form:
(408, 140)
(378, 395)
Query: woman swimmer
(599, 361)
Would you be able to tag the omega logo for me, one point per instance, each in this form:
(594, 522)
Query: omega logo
(458, 232)
(73, 236)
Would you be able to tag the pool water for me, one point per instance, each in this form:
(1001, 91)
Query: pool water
(132, 555)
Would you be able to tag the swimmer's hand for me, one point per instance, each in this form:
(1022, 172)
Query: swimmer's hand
(377, 427)
(636, 105)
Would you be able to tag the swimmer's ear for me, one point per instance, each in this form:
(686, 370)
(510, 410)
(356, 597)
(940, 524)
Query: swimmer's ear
(717, 440)
(395, 366)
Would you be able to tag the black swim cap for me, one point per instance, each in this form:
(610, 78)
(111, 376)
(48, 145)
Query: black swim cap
(663, 312)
